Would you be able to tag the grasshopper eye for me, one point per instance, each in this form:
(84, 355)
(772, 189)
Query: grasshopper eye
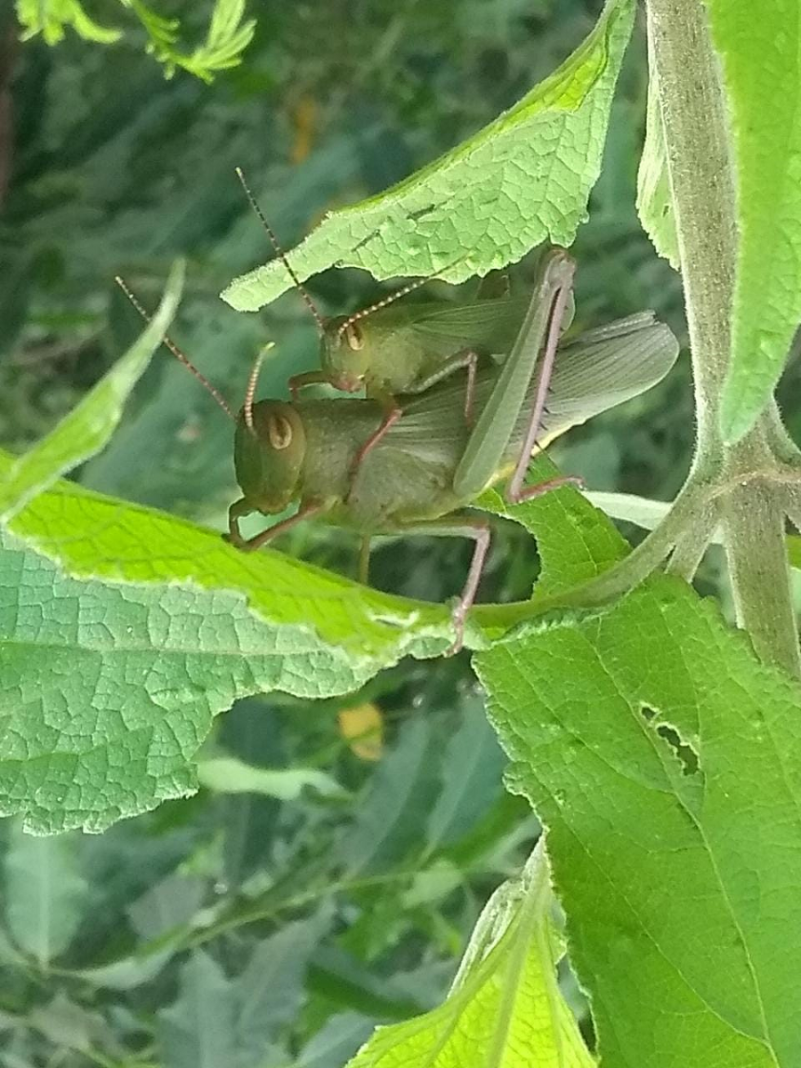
(279, 431)
(355, 337)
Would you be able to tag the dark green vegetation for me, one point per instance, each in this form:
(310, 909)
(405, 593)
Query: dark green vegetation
(333, 865)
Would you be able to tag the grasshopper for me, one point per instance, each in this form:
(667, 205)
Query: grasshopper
(391, 349)
(426, 469)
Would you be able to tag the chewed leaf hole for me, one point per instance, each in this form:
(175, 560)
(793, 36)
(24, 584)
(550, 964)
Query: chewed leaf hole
(682, 749)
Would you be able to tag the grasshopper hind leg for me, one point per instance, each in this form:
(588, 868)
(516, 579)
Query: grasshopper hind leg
(465, 358)
(516, 491)
(478, 531)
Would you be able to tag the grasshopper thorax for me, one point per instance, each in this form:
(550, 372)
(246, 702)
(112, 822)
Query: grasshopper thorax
(344, 353)
(268, 456)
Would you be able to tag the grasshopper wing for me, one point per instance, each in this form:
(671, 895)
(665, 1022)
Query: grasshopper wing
(602, 368)
(487, 326)
(592, 373)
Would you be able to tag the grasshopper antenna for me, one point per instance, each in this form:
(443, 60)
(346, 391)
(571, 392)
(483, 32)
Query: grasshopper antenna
(280, 252)
(363, 314)
(402, 292)
(250, 392)
(180, 356)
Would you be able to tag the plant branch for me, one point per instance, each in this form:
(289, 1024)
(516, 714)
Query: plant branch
(703, 195)
(781, 444)
(620, 579)
(701, 175)
(754, 523)
(643, 560)
(792, 506)
(691, 545)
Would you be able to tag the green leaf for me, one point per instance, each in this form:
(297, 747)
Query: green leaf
(50, 17)
(389, 819)
(765, 116)
(89, 426)
(94, 536)
(45, 893)
(163, 32)
(67, 1025)
(524, 178)
(649, 514)
(270, 990)
(227, 38)
(109, 687)
(576, 542)
(197, 1030)
(167, 905)
(654, 202)
(505, 1007)
(429, 886)
(662, 757)
(127, 973)
(471, 779)
(794, 550)
(641, 511)
(338, 1038)
(228, 775)
(225, 42)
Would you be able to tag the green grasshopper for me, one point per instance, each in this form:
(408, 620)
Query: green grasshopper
(391, 349)
(431, 465)
(427, 468)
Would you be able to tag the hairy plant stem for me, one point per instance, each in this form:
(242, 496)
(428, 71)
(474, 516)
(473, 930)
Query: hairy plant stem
(690, 506)
(702, 187)
(648, 555)
(693, 543)
(753, 520)
(793, 506)
(698, 152)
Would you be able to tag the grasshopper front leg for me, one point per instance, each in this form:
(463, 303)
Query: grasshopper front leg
(307, 378)
(389, 407)
(391, 414)
(392, 410)
(242, 507)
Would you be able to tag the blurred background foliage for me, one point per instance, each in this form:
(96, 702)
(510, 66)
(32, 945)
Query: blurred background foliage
(328, 872)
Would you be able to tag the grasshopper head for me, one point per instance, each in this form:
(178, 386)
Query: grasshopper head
(268, 458)
(345, 355)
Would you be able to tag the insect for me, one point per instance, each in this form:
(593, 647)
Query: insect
(426, 469)
(431, 465)
(389, 349)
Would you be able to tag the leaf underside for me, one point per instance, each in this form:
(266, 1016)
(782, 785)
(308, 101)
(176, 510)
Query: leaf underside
(521, 180)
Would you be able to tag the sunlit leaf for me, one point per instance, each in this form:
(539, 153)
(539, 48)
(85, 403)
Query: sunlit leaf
(524, 178)
(765, 115)
(505, 1007)
(656, 750)
(86, 429)
(654, 202)
(50, 18)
